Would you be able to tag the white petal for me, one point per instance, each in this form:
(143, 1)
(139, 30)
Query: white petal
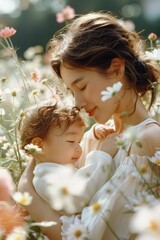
(105, 98)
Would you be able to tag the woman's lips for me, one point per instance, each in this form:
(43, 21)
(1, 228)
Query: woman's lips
(91, 112)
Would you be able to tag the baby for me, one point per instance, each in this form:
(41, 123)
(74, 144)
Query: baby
(57, 130)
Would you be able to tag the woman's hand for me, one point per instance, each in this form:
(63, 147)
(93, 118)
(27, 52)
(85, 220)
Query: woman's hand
(39, 209)
(108, 144)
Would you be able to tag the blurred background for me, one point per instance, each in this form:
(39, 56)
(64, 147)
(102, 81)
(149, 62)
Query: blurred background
(36, 20)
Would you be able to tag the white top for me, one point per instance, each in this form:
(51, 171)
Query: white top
(113, 215)
(97, 164)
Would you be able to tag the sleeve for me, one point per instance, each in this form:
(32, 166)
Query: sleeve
(40, 179)
(98, 163)
(40, 172)
(107, 215)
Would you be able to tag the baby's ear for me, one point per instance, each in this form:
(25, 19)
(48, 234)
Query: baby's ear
(38, 141)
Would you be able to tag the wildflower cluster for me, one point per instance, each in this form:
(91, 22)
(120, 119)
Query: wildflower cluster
(24, 84)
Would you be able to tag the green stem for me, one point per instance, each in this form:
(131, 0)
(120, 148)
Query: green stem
(15, 57)
(151, 45)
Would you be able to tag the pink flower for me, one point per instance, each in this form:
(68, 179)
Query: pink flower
(7, 32)
(10, 217)
(35, 75)
(152, 36)
(66, 14)
(6, 185)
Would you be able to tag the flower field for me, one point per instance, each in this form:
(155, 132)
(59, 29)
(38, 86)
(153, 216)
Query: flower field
(28, 81)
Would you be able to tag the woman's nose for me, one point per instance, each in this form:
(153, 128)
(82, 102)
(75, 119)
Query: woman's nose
(79, 101)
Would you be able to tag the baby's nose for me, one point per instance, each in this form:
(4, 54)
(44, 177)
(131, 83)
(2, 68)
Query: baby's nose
(79, 150)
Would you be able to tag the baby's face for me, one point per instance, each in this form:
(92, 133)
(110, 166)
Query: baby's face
(63, 147)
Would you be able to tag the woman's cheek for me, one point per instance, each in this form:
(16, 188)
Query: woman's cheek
(92, 93)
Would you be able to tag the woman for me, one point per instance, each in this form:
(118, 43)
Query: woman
(92, 53)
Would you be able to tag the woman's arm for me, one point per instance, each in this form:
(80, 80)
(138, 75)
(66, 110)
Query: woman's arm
(150, 141)
(39, 209)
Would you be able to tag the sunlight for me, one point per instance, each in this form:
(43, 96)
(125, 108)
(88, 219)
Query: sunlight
(9, 6)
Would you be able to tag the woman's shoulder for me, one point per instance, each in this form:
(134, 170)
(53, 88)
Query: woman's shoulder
(149, 139)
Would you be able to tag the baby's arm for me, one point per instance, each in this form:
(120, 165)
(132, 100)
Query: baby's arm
(98, 163)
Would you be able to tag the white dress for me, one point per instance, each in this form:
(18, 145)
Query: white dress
(97, 164)
(131, 175)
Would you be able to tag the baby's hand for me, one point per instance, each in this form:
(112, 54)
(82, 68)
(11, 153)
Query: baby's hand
(101, 131)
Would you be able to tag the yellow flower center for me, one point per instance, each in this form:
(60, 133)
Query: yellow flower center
(78, 233)
(96, 207)
(65, 191)
(14, 93)
(23, 200)
(34, 92)
(158, 161)
(153, 225)
(143, 169)
(34, 76)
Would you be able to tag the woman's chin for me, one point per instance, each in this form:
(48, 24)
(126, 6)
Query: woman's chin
(100, 119)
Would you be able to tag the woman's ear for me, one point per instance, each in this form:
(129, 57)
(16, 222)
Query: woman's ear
(118, 66)
(38, 141)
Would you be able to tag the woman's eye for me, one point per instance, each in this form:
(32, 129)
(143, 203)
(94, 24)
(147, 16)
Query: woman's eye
(81, 89)
(70, 141)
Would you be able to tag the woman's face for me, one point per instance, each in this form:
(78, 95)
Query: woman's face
(87, 85)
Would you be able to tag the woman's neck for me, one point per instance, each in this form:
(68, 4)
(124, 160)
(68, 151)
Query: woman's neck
(135, 114)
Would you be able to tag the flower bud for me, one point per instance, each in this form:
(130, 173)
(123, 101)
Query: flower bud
(152, 36)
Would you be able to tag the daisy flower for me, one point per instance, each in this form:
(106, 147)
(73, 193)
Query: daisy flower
(6, 146)
(154, 55)
(31, 148)
(18, 233)
(156, 158)
(12, 92)
(111, 91)
(61, 188)
(22, 198)
(77, 231)
(3, 139)
(146, 220)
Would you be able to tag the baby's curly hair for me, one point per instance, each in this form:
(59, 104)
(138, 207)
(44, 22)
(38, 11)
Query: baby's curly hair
(39, 118)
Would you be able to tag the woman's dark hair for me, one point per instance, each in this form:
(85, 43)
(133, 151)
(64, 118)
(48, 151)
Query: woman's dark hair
(94, 39)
